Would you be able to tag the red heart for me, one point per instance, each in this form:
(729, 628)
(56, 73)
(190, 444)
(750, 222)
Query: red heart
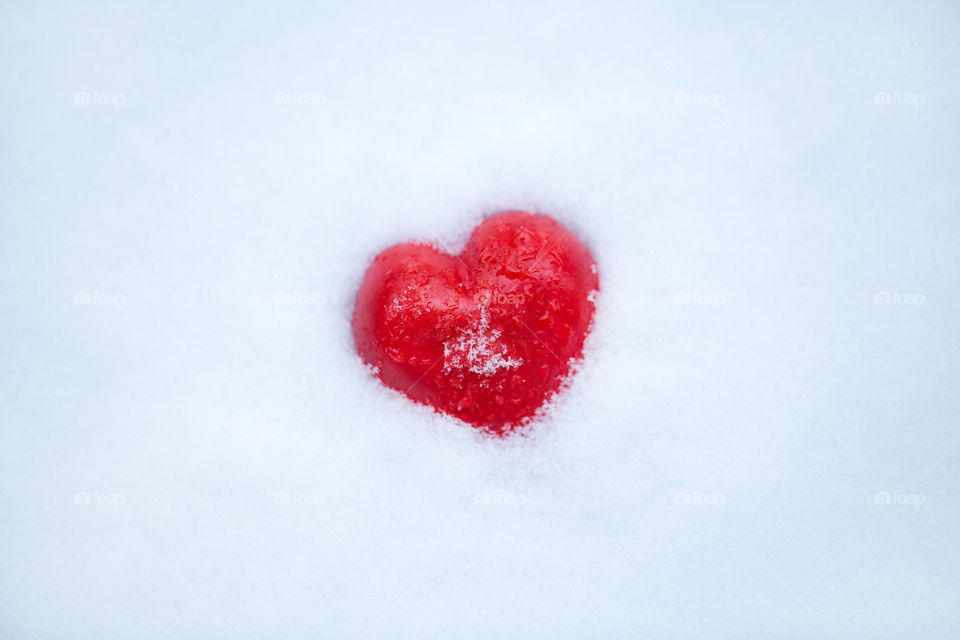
(487, 336)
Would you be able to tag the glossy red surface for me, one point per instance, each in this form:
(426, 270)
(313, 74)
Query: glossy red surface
(487, 336)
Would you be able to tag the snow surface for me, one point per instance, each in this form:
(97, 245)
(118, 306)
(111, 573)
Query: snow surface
(762, 441)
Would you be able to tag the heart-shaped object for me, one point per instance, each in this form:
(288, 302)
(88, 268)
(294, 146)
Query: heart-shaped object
(487, 336)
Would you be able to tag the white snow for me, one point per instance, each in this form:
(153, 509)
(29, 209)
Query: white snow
(479, 349)
(761, 442)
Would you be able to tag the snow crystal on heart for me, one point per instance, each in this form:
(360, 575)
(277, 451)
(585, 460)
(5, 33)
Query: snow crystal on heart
(478, 350)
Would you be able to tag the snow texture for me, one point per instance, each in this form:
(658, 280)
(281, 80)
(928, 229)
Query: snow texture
(761, 442)
(479, 349)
